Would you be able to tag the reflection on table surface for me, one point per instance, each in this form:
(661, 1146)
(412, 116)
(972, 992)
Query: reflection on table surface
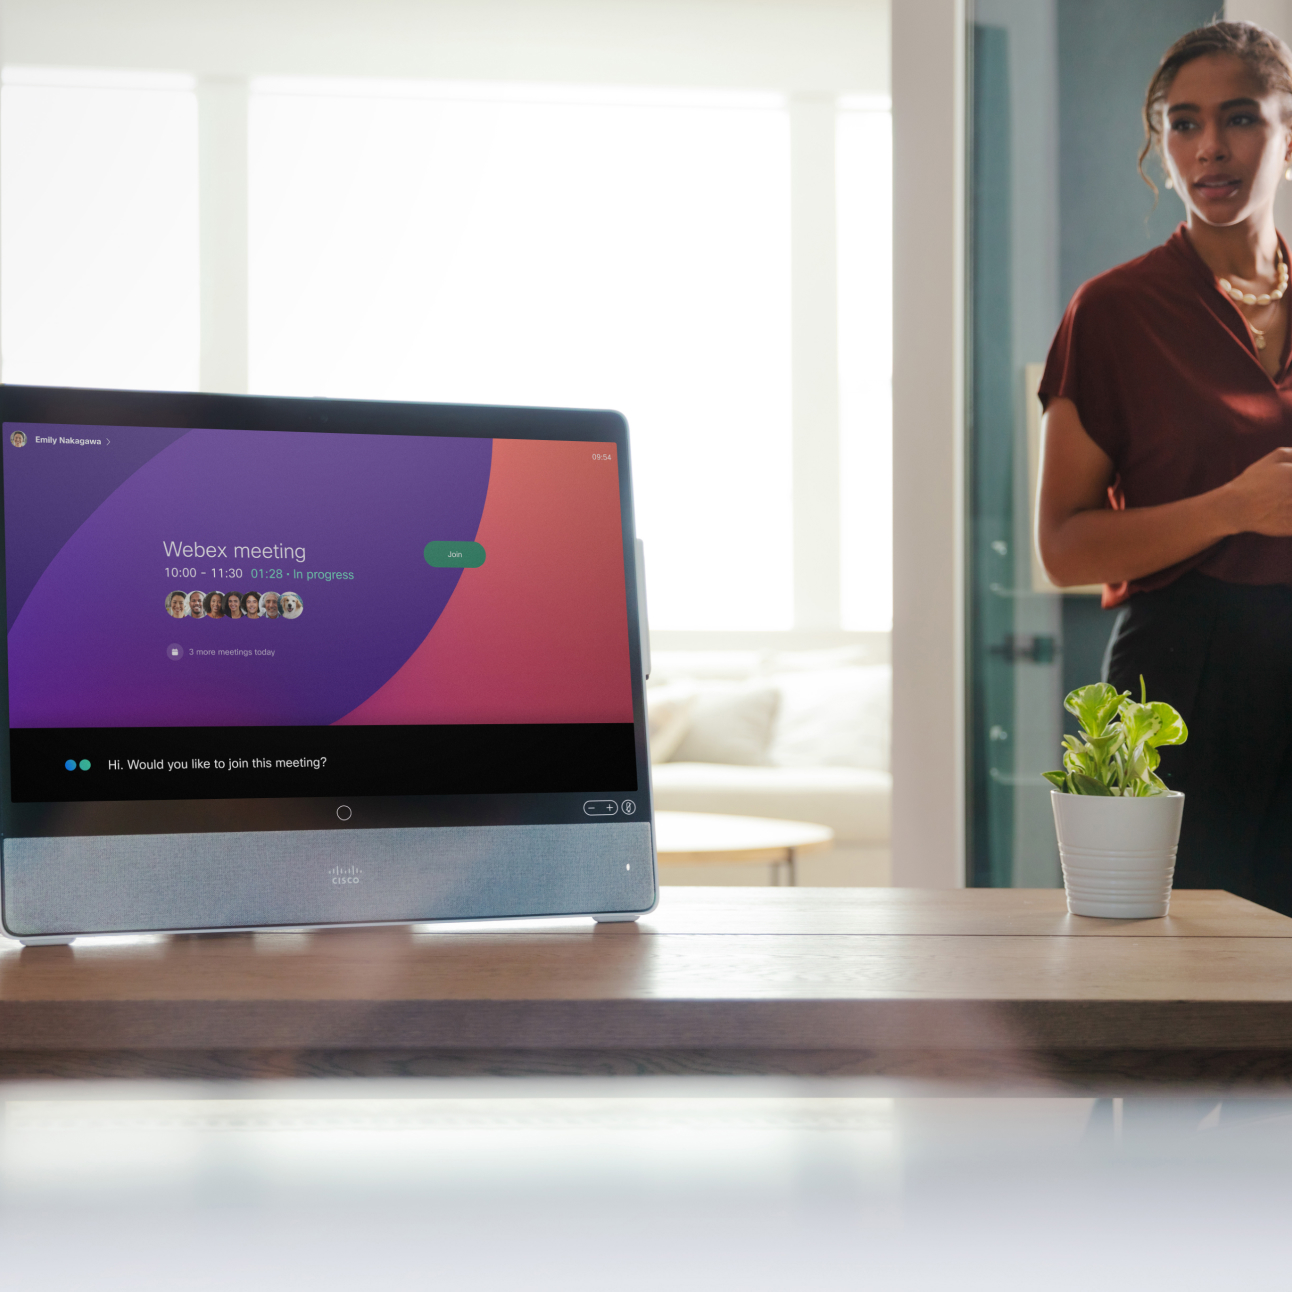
(634, 1183)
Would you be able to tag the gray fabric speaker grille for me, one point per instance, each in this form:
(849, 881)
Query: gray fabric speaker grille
(115, 883)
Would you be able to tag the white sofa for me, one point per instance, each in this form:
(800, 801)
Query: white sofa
(801, 735)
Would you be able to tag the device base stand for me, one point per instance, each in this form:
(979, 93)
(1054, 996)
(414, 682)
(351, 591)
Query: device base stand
(59, 940)
(616, 919)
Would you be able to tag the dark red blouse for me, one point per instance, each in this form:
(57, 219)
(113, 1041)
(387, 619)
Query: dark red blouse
(1165, 376)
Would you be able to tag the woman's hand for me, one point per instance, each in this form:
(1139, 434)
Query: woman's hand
(1260, 500)
(1081, 540)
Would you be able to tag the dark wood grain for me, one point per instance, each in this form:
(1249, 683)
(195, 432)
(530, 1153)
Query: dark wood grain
(876, 1072)
(963, 912)
(879, 911)
(991, 986)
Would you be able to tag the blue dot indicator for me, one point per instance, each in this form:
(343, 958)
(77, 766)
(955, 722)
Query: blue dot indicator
(85, 764)
(70, 764)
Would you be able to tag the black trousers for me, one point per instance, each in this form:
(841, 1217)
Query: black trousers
(1221, 653)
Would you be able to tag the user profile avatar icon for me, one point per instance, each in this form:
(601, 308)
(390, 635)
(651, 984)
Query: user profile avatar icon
(18, 439)
(290, 605)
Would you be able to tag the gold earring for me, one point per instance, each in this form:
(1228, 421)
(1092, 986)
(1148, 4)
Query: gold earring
(1287, 174)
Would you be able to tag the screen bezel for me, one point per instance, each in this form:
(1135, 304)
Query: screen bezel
(62, 405)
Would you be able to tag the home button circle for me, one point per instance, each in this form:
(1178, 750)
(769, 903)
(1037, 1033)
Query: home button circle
(343, 813)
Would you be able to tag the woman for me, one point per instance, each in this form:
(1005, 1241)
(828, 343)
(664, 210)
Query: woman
(214, 605)
(1167, 460)
(175, 605)
(252, 603)
(233, 605)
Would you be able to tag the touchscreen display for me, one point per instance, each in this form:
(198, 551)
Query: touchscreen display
(208, 613)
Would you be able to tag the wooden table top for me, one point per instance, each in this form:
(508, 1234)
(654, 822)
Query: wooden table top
(981, 985)
(698, 837)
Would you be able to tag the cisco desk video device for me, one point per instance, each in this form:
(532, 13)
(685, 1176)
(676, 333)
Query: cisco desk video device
(283, 662)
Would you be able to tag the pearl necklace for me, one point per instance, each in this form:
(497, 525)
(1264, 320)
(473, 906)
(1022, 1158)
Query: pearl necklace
(1265, 298)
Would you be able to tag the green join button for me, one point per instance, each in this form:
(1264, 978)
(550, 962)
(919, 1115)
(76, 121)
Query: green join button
(454, 556)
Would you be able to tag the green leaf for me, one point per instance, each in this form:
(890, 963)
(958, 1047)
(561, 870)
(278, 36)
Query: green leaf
(1108, 744)
(1139, 722)
(1093, 706)
(1148, 787)
(1088, 785)
(1058, 779)
(1171, 729)
(1116, 753)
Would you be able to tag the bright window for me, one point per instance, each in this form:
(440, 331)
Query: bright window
(865, 203)
(98, 229)
(485, 243)
(575, 249)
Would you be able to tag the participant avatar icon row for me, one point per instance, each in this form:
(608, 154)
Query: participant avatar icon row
(234, 605)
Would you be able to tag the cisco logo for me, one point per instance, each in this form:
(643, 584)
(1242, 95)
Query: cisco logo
(345, 874)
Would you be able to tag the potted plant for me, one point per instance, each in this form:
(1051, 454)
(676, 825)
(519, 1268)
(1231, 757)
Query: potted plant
(1118, 824)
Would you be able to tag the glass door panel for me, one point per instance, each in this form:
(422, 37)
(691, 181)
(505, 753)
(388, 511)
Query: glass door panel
(1053, 199)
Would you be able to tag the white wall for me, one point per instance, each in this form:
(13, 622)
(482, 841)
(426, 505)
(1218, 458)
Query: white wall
(928, 78)
(1275, 16)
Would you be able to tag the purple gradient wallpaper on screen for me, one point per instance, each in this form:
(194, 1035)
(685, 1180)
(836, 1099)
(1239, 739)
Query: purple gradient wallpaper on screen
(101, 523)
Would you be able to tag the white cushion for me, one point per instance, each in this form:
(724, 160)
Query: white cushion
(729, 723)
(730, 665)
(833, 717)
(801, 661)
(668, 715)
(852, 801)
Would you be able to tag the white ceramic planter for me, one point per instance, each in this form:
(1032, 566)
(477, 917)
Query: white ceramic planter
(1118, 854)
